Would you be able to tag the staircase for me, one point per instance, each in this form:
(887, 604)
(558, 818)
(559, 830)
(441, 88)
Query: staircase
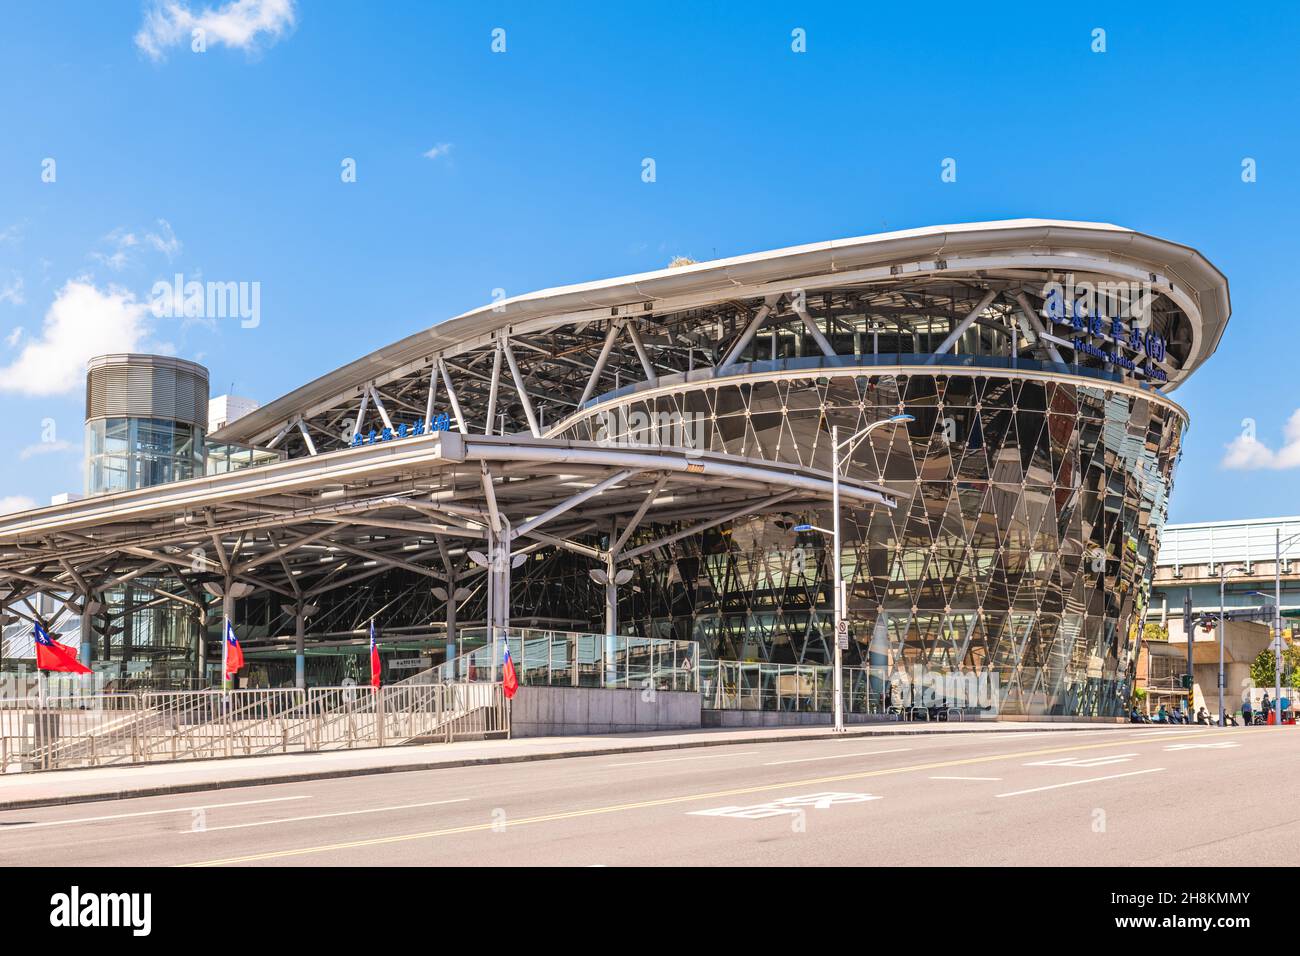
(189, 725)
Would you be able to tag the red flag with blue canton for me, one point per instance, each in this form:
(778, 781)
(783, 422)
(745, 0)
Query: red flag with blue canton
(374, 657)
(234, 653)
(509, 679)
(53, 656)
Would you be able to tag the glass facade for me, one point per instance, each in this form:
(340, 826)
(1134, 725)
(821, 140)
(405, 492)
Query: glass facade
(1021, 549)
(228, 457)
(123, 454)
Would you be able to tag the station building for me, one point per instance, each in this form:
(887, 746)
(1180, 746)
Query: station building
(650, 455)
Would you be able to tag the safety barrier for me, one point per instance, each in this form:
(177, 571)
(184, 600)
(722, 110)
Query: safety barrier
(572, 659)
(745, 685)
(91, 730)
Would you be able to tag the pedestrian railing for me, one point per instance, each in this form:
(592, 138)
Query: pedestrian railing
(105, 729)
(754, 685)
(544, 657)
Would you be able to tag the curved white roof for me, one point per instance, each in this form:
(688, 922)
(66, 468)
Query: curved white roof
(1179, 271)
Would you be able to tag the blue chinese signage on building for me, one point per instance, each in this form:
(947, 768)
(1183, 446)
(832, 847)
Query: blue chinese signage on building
(439, 423)
(1084, 309)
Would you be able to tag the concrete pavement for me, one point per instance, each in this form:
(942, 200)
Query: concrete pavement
(1114, 797)
(105, 783)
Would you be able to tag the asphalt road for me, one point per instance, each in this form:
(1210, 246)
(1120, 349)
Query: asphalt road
(1140, 796)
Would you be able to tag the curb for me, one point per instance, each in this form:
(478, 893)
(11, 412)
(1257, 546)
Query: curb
(342, 772)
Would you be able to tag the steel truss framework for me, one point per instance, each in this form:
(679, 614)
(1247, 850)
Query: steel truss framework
(535, 380)
(746, 360)
(349, 535)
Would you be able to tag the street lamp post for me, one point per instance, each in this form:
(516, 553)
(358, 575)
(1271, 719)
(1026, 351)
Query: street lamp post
(841, 627)
(1223, 614)
(1277, 621)
(1222, 578)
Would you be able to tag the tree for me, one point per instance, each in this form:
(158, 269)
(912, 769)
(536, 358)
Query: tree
(1155, 631)
(1262, 670)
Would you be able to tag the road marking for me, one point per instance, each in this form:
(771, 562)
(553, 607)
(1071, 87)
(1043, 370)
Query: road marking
(1075, 783)
(864, 753)
(323, 816)
(1221, 745)
(785, 806)
(647, 763)
(646, 804)
(1082, 761)
(965, 778)
(144, 813)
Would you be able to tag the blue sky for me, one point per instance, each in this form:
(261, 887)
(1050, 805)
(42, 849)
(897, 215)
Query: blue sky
(225, 165)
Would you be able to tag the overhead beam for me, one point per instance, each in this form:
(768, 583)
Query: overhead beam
(1032, 317)
(750, 331)
(519, 386)
(601, 359)
(658, 486)
(573, 502)
(815, 331)
(705, 526)
(960, 329)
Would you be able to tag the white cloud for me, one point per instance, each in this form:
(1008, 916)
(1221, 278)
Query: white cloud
(11, 503)
(12, 291)
(240, 24)
(45, 448)
(82, 322)
(437, 152)
(164, 240)
(1248, 453)
(123, 242)
(14, 337)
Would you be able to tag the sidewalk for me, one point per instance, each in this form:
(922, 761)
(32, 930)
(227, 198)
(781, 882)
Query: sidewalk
(19, 790)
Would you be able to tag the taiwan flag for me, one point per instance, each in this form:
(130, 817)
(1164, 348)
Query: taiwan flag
(374, 656)
(53, 656)
(509, 679)
(234, 653)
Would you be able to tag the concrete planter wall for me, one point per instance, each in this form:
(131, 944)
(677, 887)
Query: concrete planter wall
(563, 711)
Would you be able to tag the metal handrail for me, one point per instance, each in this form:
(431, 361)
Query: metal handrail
(546, 657)
(96, 730)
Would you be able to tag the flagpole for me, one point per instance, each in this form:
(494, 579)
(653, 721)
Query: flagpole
(225, 657)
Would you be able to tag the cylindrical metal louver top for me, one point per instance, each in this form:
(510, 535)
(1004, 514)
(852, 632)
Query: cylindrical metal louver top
(146, 386)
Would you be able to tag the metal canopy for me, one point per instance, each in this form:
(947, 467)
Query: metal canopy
(560, 344)
(305, 526)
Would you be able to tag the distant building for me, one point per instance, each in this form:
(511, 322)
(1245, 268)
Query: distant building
(224, 409)
(1190, 559)
(144, 421)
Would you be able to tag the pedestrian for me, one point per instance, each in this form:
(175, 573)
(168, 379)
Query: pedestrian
(1202, 718)
(1267, 708)
(1162, 716)
(1245, 710)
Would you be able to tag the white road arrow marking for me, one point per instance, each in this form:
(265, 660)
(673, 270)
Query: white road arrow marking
(785, 806)
(1082, 761)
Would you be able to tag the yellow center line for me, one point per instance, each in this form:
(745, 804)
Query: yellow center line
(691, 798)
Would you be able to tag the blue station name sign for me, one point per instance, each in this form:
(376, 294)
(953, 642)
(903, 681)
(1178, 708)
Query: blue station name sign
(1135, 347)
(438, 423)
